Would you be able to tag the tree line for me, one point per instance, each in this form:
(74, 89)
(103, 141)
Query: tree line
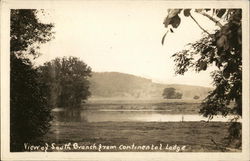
(170, 93)
(34, 91)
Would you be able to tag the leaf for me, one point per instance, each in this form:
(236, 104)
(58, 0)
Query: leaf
(175, 21)
(171, 14)
(220, 12)
(163, 38)
(166, 21)
(206, 50)
(187, 12)
(198, 10)
(221, 41)
(202, 65)
(225, 29)
(226, 72)
(174, 12)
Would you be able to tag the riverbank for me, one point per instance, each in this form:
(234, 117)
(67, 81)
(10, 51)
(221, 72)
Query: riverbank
(195, 136)
(173, 106)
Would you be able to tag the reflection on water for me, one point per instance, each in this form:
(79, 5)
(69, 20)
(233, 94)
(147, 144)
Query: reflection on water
(78, 115)
(69, 115)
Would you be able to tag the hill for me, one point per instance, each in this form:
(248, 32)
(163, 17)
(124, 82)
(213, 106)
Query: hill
(127, 86)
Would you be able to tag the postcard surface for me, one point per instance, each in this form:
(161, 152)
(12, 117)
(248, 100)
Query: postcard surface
(125, 80)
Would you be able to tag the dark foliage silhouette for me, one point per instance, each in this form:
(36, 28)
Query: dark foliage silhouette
(66, 81)
(222, 49)
(29, 110)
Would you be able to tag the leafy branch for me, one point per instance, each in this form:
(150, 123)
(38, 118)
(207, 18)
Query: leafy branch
(223, 48)
(173, 20)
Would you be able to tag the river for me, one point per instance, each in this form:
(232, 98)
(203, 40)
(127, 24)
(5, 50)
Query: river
(78, 115)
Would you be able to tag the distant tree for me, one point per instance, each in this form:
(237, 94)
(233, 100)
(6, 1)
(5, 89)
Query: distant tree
(66, 80)
(221, 48)
(196, 97)
(169, 93)
(178, 95)
(29, 111)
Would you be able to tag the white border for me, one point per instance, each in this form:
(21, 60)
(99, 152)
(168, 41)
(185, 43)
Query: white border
(5, 39)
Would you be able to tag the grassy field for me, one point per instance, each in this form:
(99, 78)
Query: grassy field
(195, 136)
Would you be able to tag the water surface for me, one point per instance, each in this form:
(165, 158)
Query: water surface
(78, 115)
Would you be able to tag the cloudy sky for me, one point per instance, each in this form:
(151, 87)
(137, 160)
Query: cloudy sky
(123, 37)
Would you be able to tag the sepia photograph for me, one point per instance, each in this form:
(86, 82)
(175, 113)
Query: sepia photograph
(137, 77)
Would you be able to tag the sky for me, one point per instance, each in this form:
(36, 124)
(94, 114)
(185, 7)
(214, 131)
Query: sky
(123, 37)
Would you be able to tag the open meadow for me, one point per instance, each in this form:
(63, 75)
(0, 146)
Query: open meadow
(118, 125)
